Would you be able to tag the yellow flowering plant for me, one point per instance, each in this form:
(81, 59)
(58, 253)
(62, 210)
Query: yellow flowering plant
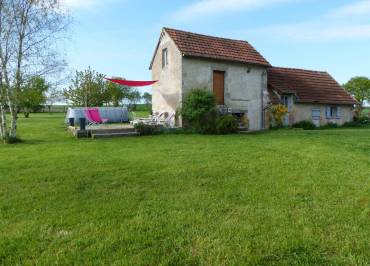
(278, 112)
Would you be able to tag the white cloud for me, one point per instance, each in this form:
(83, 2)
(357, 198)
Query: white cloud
(203, 8)
(352, 10)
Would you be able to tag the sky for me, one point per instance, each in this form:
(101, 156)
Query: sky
(118, 37)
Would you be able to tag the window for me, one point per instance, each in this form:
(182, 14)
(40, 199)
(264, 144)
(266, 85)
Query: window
(164, 58)
(333, 112)
(286, 101)
(316, 113)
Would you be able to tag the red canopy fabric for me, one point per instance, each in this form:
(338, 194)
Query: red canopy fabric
(132, 83)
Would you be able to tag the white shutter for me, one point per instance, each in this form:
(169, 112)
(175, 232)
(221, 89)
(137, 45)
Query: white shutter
(339, 112)
(327, 111)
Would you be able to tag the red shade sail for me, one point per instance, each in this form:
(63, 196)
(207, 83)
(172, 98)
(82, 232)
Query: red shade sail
(132, 83)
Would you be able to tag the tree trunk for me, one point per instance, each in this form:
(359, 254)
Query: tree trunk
(26, 113)
(13, 123)
(2, 122)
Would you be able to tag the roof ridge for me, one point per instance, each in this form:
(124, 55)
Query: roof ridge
(205, 35)
(300, 69)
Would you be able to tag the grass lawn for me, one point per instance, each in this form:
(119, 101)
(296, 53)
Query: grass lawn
(287, 197)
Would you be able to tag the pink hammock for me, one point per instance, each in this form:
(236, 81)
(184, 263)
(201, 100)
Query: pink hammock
(132, 83)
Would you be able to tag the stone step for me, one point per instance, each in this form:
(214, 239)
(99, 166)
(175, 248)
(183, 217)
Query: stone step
(113, 135)
(111, 130)
(242, 129)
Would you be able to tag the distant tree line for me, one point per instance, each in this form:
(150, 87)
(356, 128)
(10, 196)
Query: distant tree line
(89, 88)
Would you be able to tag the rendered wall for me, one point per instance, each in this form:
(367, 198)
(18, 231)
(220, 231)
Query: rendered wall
(244, 85)
(302, 112)
(167, 92)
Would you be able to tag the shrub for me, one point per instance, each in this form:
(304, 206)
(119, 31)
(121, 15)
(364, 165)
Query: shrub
(278, 112)
(330, 125)
(364, 120)
(359, 122)
(199, 111)
(226, 124)
(146, 130)
(306, 125)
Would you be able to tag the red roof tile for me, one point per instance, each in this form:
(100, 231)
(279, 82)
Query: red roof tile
(308, 86)
(198, 45)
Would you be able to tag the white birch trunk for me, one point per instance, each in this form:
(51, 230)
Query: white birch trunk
(2, 120)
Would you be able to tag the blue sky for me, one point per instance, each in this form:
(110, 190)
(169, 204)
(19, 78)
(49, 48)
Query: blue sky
(118, 37)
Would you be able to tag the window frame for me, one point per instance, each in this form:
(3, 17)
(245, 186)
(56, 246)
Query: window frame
(164, 58)
(316, 117)
(333, 112)
(287, 101)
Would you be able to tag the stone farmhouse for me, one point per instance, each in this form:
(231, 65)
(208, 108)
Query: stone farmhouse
(243, 81)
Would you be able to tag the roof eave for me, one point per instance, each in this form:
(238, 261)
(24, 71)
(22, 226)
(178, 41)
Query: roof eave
(226, 59)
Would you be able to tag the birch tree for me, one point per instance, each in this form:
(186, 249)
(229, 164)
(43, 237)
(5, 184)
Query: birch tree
(30, 31)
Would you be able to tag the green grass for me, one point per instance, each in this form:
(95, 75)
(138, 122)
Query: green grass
(286, 197)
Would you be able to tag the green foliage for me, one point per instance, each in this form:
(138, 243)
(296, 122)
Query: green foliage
(273, 198)
(330, 125)
(87, 89)
(147, 97)
(306, 125)
(278, 112)
(362, 121)
(359, 87)
(199, 111)
(146, 130)
(133, 97)
(115, 93)
(226, 124)
(33, 95)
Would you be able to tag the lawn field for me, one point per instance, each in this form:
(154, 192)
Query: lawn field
(286, 197)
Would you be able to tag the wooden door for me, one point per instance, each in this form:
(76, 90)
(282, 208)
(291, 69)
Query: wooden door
(219, 86)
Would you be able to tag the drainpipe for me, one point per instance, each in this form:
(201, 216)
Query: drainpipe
(262, 96)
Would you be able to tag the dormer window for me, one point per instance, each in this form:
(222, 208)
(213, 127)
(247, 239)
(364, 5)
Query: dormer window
(164, 58)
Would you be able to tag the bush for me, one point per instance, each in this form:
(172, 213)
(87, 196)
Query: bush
(278, 113)
(359, 122)
(226, 124)
(306, 125)
(330, 125)
(364, 120)
(146, 130)
(199, 111)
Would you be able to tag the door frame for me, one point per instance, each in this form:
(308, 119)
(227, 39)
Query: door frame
(224, 85)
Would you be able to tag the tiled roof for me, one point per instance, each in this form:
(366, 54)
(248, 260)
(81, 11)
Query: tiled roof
(197, 45)
(308, 86)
